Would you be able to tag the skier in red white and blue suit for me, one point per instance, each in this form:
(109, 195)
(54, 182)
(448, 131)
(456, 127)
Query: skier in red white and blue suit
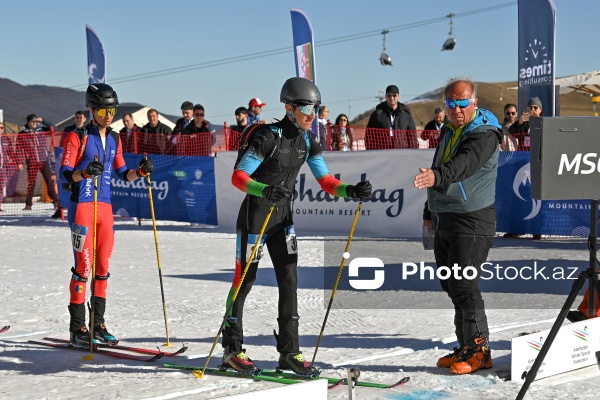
(93, 151)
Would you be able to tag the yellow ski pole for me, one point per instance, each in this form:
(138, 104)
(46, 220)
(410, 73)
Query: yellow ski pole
(162, 291)
(90, 356)
(337, 280)
(198, 373)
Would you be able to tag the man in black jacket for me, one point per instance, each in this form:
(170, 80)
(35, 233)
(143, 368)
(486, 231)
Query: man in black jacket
(391, 125)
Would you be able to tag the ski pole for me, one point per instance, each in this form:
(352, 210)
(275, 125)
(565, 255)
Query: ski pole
(162, 291)
(337, 280)
(200, 374)
(90, 356)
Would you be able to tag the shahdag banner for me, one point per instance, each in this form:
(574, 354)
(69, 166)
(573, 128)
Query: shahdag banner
(395, 208)
(96, 57)
(183, 189)
(537, 21)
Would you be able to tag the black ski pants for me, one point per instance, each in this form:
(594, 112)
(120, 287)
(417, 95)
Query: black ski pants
(285, 260)
(464, 250)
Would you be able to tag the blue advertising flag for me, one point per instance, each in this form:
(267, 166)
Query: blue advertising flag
(537, 33)
(96, 57)
(304, 45)
(304, 52)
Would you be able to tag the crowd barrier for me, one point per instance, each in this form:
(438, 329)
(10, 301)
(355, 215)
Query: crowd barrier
(189, 187)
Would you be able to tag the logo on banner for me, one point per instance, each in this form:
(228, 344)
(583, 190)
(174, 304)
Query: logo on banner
(394, 197)
(538, 66)
(93, 75)
(306, 67)
(581, 334)
(523, 178)
(534, 344)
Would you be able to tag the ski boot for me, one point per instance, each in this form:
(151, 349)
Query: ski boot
(296, 363)
(239, 361)
(78, 333)
(101, 334)
(449, 359)
(80, 337)
(473, 358)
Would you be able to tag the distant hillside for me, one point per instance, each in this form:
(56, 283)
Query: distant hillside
(493, 97)
(52, 103)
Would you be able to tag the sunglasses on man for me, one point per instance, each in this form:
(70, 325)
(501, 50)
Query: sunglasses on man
(462, 103)
(308, 109)
(103, 111)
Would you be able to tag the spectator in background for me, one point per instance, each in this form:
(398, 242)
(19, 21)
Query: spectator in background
(200, 143)
(8, 161)
(341, 134)
(520, 129)
(187, 110)
(434, 127)
(387, 120)
(509, 142)
(79, 121)
(35, 150)
(158, 135)
(254, 109)
(241, 117)
(129, 133)
(323, 124)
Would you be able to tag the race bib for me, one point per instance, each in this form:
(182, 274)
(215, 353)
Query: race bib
(78, 235)
(250, 246)
(290, 240)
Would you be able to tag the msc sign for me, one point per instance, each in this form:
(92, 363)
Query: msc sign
(590, 160)
(565, 161)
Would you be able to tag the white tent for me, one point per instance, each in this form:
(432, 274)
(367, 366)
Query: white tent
(588, 82)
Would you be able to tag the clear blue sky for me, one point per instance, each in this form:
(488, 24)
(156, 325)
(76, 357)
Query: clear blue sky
(43, 42)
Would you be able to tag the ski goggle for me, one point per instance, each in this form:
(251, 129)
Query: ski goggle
(103, 111)
(462, 103)
(308, 109)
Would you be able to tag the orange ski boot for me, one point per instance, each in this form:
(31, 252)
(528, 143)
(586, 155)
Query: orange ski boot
(472, 359)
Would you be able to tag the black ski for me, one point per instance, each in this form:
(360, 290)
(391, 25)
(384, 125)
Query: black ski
(129, 348)
(4, 328)
(99, 351)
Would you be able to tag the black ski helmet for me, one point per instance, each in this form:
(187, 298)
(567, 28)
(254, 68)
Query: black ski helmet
(101, 95)
(300, 91)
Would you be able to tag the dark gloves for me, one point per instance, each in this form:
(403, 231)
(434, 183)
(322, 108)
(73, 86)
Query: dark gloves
(361, 191)
(93, 168)
(275, 193)
(146, 167)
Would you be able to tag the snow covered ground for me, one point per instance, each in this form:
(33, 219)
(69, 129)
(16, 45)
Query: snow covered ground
(197, 267)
